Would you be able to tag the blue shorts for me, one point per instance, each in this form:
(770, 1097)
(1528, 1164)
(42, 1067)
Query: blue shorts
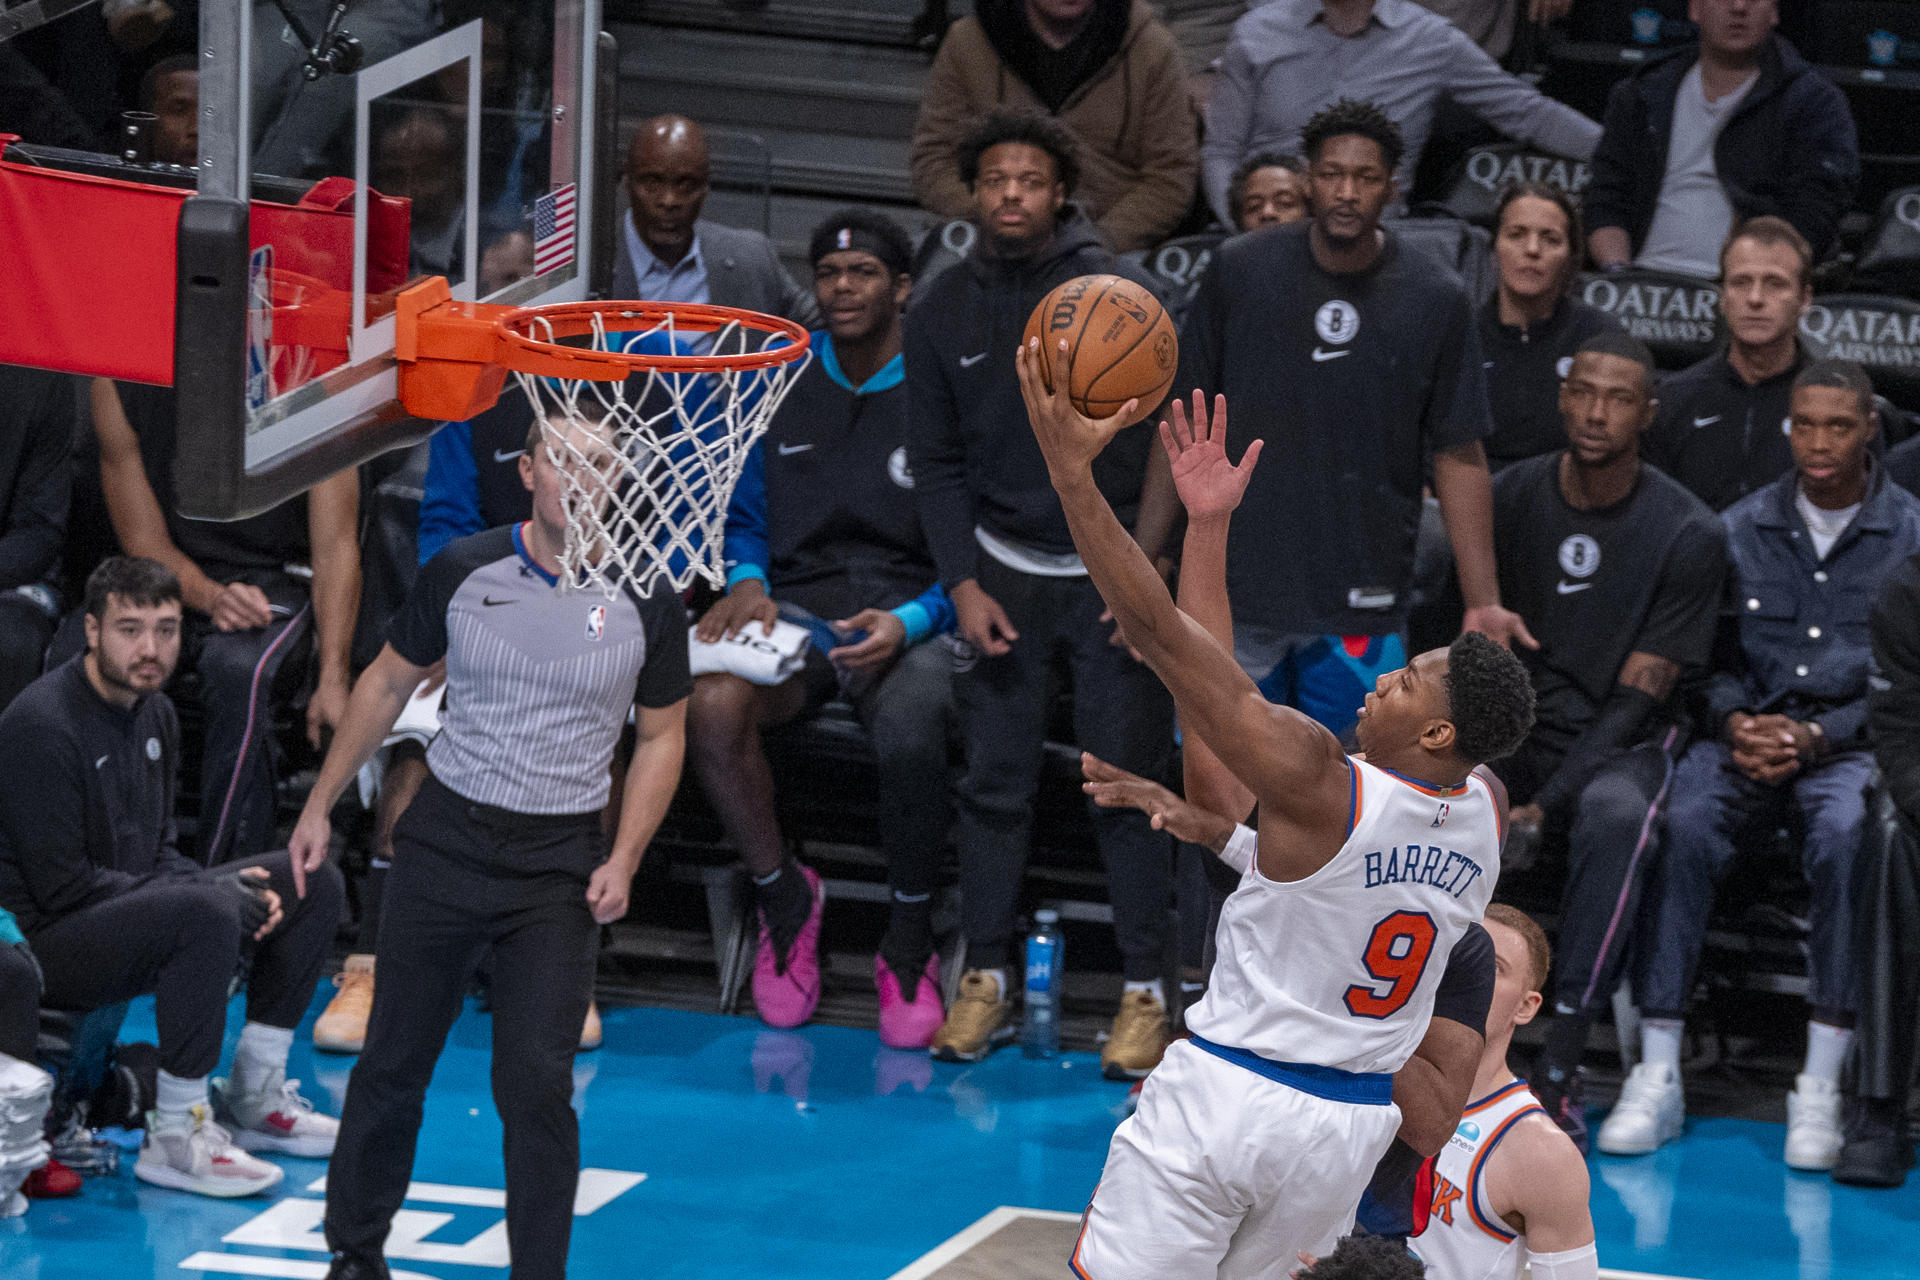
(1325, 677)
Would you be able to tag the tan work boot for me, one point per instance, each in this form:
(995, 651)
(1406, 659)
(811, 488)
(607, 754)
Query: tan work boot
(590, 1030)
(342, 1027)
(979, 1022)
(1139, 1036)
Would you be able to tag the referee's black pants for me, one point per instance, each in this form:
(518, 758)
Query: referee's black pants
(469, 880)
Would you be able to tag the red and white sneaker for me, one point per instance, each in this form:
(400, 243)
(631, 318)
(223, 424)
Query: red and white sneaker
(51, 1181)
(787, 996)
(908, 1021)
(197, 1155)
(275, 1118)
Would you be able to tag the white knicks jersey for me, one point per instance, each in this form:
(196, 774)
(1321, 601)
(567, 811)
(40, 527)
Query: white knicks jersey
(1340, 969)
(1464, 1239)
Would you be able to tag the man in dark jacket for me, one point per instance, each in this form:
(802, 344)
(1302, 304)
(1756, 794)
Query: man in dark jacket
(1788, 700)
(1023, 599)
(90, 866)
(1879, 1149)
(36, 476)
(1709, 135)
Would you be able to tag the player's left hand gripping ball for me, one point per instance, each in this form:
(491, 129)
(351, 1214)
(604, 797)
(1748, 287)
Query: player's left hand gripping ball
(1069, 438)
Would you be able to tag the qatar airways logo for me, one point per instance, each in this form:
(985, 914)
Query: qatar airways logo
(1494, 171)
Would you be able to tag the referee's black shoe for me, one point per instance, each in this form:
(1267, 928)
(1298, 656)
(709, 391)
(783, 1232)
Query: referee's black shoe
(347, 1266)
(1878, 1150)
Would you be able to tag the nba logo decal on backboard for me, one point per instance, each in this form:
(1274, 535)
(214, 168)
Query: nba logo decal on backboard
(1336, 321)
(596, 622)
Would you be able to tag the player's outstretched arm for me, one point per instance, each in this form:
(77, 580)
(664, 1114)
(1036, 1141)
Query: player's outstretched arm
(1292, 764)
(378, 697)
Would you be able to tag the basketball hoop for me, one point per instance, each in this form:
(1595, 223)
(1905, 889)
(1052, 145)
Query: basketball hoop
(651, 411)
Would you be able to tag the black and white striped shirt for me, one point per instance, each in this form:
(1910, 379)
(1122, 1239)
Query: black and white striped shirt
(538, 680)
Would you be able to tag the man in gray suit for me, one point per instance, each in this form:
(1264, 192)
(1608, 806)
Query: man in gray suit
(669, 253)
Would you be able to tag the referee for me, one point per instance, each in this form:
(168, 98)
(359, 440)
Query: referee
(501, 852)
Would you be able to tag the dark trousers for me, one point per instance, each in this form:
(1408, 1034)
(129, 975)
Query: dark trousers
(1887, 944)
(1714, 810)
(1121, 713)
(180, 939)
(238, 671)
(470, 881)
(25, 632)
(19, 1002)
(909, 713)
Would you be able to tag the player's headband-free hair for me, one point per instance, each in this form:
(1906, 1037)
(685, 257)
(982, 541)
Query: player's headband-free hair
(839, 237)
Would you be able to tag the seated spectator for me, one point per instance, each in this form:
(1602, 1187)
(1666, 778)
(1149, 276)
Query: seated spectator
(669, 253)
(1022, 596)
(90, 867)
(1618, 572)
(1789, 702)
(1268, 190)
(1722, 430)
(420, 156)
(250, 605)
(1107, 70)
(1532, 324)
(1289, 59)
(823, 532)
(36, 479)
(1879, 1145)
(171, 91)
(35, 110)
(1703, 138)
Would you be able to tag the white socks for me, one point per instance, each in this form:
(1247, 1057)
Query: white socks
(1660, 1042)
(1827, 1050)
(175, 1097)
(1157, 989)
(262, 1052)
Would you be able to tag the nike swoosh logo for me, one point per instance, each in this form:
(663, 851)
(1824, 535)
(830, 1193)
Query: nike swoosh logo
(787, 449)
(1568, 588)
(100, 763)
(507, 455)
(1321, 355)
(1706, 422)
(490, 601)
(1487, 364)
(967, 362)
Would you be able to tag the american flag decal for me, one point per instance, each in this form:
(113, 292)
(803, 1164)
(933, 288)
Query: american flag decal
(553, 216)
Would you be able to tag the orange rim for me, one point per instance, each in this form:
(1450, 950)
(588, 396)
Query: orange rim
(575, 319)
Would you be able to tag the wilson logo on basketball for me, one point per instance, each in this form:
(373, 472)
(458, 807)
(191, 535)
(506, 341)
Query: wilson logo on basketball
(1120, 342)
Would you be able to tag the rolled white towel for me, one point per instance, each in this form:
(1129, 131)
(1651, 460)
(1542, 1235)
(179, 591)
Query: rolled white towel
(753, 655)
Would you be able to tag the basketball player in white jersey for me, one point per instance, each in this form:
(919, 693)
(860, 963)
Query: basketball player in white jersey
(1509, 1188)
(1255, 1138)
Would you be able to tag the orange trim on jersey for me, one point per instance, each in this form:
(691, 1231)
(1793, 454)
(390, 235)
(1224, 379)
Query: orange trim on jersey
(1425, 788)
(1504, 1091)
(1079, 1241)
(1472, 1197)
(1356, 796)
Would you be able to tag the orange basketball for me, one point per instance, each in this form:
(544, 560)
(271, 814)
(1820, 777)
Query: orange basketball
(1120, 344)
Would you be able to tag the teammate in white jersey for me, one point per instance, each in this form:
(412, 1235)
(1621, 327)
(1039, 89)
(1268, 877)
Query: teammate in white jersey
(1254, 1140)
(1509, 1188)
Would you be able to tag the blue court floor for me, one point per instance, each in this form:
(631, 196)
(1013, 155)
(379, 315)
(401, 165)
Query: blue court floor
(717, 1148)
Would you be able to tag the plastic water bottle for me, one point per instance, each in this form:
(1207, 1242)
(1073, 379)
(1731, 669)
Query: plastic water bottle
(1046, 962)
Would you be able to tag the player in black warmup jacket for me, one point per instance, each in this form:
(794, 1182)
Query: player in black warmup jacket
(1618, 572)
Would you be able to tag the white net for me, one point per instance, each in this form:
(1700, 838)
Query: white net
(650, 463)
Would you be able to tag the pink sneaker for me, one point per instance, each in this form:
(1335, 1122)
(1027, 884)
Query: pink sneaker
(904, 1023)
(788, 999)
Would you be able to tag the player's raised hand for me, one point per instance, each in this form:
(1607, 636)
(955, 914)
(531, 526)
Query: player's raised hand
(1069, 438)
(1112, 787)
(1209, 485)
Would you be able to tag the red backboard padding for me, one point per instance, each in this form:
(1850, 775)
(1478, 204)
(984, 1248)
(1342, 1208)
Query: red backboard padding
(88, 281)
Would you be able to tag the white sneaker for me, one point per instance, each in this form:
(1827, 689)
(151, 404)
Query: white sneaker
(197, 1155)
(1651, 1111)
(1814, 1134)
(275, 1118)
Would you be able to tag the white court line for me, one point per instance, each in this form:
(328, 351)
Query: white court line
(243, 1264)
(956, 1246)
(597, 1189)
(948, 1250)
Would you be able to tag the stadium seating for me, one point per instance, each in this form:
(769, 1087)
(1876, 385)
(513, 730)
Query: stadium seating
(1677, 316)
(1880, 332)
(1889, 259)
(1473, 188)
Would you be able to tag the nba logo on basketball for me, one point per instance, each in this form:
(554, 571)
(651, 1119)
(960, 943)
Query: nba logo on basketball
(597, 624)
(1440, 818)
